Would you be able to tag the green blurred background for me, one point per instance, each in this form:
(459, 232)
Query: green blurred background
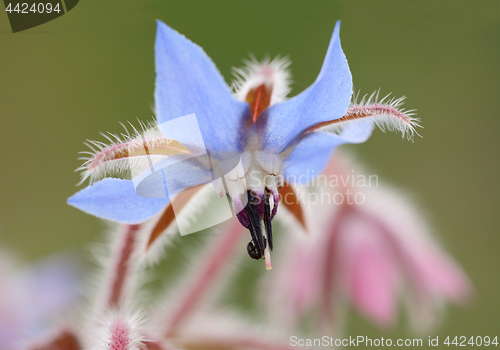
(69, 79)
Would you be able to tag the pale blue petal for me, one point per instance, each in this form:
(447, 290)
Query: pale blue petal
(357, 131)
(187, 82)
(116, 199)
(326, 99)
(311, 154)
(166, 179)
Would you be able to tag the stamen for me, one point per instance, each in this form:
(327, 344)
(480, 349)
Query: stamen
(267, 253)
(252, 251)
(253, 201)
(254, 229)
(276, 200)
(267, 220)
(259, 215)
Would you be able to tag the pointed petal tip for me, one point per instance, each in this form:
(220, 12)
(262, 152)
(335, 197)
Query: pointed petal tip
(336, 29)
(188, 82)
(326, 99)
(161, 24)
(336, 33)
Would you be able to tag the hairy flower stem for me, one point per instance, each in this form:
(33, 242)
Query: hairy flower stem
(122, 267)
(207, 272)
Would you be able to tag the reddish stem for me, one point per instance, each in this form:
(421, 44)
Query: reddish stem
(122, 266)
(206, 273)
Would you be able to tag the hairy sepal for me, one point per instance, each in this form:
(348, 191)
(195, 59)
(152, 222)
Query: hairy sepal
(386, 114)
(273, 74)
(128, 154)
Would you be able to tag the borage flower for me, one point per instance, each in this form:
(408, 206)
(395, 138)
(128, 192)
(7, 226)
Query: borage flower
(371, 250)
(246, 144)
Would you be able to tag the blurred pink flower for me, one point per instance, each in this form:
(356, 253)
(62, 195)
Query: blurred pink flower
(33, 298)
(370, 251)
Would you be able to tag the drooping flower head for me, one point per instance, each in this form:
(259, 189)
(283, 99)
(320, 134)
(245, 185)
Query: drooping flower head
(249, 144)
(371, 250)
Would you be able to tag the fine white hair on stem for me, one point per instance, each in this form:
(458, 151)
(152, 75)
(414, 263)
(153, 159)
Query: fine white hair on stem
(114, 291)
(119, 275)
(275, 74)
(385, 113)
(127, 152)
